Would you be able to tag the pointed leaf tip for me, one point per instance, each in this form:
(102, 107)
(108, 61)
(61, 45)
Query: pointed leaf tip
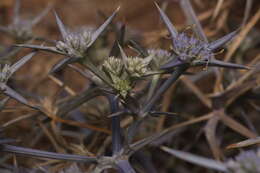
(97, 33)
(167, 22)
(22, 61)
(198, 160)
(222, 41)
(172, 63)
(61, 26)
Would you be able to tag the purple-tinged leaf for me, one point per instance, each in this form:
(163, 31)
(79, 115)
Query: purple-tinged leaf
(173, 63)
(61, 64)
(173, 78)
(222, 41)
(21, 62)
(13, 94)
(39, 17)
(44, 154)
(61, 26)
(6, 141)
(43, 48)
(167, 22)
(99, 73)
(76, 101)
(119, 40)
(97, 33)
(138, 48)
(17, 7)
(198, 160)
(124, 167)
(192, 18)
(218, 63)
(116, 129)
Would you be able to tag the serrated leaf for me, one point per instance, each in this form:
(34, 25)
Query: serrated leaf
(167, 22)
(198, 160)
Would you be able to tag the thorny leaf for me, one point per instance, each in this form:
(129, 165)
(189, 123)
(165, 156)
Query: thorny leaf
(21, 29)
(190, 50)
(44, 154)
(13, 94)
(190, 14)
(222, 41)
(198, 160)
(61, 64)
(61, 26)
(167, 22)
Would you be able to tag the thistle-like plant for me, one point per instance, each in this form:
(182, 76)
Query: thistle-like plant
(117, 77)
(74, 45)
(21, 29)
(194, 52)
(6, 71)
(245, 162)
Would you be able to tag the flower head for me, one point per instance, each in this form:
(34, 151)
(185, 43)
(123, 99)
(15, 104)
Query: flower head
(136, 66)
(246, 162)
(76, 43)
(190, 48)
(114, 66)
(5, 73)
(21, 29)
(160, 57)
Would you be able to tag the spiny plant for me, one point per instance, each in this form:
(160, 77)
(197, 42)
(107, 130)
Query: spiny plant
(117, 78)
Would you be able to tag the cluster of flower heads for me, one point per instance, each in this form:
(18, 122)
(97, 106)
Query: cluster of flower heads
(123, 72)
(76, 43)
(188, 48)
(246, 162)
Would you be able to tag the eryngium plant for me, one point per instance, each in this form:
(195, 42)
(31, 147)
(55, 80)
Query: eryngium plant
(21, 29)
(245, 162)
(118, 75)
